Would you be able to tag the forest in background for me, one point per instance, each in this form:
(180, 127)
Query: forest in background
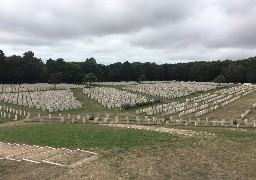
(30, 69)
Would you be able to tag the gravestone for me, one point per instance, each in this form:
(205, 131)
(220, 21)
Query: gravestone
(127, 119)
(62, 120)
(138, 119)
(116, 120)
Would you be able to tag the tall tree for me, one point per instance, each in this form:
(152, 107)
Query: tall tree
(2, 67)
(90, 78)
(33, 68)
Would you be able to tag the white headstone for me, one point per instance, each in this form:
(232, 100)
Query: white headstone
(62, 120)
(116, 119)
(127, 119)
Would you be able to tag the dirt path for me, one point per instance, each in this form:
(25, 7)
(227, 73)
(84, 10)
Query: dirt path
(188, 133)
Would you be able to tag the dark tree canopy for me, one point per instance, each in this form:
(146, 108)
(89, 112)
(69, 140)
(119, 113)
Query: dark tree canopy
(90, 78)
(30, 69)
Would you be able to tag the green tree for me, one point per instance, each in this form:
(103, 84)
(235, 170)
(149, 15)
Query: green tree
(55, 78)
(220, 79)
(33, 68)
(90, 78)
(2, 67)
(142, 78)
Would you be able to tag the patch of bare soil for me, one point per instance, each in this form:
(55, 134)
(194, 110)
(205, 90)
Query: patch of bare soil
(27, 170)
(207, 158)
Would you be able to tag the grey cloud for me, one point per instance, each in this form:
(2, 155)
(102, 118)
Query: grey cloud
(130, 29)
(82, 18)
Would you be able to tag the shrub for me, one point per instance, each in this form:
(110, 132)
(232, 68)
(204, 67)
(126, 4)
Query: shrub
(92, 117)
(126, 106)
(144, 103)
(157, 100)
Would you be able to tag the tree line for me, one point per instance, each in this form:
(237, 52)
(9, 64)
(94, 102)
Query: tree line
(30, 69)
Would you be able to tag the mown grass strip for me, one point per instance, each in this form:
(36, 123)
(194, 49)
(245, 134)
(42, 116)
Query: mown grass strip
(83, 136)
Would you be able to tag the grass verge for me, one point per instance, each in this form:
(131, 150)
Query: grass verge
(88, 136)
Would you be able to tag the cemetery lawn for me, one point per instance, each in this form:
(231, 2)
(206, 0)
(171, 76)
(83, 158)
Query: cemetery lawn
(82, 136)
(138, 154)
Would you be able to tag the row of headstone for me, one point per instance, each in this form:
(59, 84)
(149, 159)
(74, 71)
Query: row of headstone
(9, 116)
(147, 120)
(207, 110)
(10, 110)
(204, 98)
(230, 100)
(122, 83)
(51, 101)
(96, 119)
(247, 111)
(209, 102)
(10, 88)
(215, 122)
(172, 89)
(114, 98)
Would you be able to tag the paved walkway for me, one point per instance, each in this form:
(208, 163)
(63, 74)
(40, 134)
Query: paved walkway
(37, 154)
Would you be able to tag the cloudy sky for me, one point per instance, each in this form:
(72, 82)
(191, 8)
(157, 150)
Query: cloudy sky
(164, 31)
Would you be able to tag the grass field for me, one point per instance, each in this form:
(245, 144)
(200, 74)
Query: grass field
(137, 154)
(85, 136)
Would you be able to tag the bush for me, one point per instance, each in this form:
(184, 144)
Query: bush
(157, 100)
(92, 117)
(126, 106)
(235, 122)
(200, 91)
(144, 104)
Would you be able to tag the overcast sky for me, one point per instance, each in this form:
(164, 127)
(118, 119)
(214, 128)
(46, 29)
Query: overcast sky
(164, 31)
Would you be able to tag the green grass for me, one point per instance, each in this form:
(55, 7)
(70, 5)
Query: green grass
(2, 168)
(86, 136)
